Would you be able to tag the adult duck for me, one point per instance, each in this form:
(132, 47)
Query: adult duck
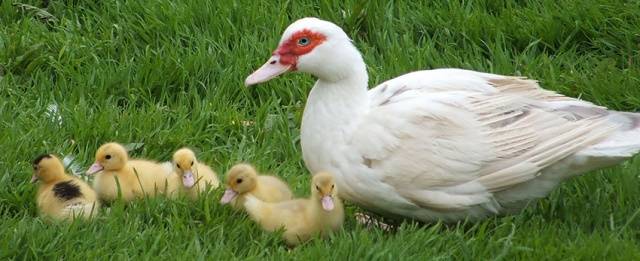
(443, 144)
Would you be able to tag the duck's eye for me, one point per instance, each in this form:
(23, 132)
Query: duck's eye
(107, 157)
(178, 165)
(332, 186)
(304, 41)
(35, 167)
(238, 181)
(318, 188)
(192, 163)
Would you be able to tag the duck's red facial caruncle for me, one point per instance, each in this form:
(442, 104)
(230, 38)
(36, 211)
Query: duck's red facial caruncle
(300, 43)
(285, 58)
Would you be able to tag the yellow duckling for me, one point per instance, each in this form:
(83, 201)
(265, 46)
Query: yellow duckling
(243, 179)
(62, 196)
(196, 177)
(135, 178)
(321, 214)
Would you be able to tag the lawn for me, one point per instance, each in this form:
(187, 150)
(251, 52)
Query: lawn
(170, 73)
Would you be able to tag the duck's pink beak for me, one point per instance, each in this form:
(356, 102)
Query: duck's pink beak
(271, 69)
(188, 180)
(327, 203)
(94, 168)
(228, 196)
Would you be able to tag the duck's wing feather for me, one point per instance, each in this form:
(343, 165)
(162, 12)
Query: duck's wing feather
(449, 140)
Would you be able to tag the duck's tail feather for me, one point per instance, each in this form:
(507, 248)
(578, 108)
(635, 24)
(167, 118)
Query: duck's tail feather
(624, 142)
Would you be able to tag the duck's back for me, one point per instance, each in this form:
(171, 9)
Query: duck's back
(207, 177)
(153, 177)
(108, 184)
(272, 189)
(67, 199)
(290, 214)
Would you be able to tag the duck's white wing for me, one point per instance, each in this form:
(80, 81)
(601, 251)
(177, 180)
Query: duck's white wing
(450, 139)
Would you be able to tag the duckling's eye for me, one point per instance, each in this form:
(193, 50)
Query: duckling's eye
(332, 186)
(304, 41)
(107, 157)
(318, 188)
(35, 167)
(178, 165)
(192, 163)
(238, 181)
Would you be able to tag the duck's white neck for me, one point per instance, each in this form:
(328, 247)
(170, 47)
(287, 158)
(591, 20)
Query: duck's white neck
(332, 107)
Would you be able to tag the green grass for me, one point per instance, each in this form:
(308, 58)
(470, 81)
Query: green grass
(170, 73)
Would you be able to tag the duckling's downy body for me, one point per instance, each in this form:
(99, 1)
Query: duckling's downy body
(243, 179)
(196, 177)
(132, 178)
(61, 196)
(321, 214)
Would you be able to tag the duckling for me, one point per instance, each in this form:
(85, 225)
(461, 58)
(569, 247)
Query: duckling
(321, 214)
(61, 196)
(243, 179)
(196, 177)
(135, 178)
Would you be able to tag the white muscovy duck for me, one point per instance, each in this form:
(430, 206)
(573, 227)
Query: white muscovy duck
(444, 144)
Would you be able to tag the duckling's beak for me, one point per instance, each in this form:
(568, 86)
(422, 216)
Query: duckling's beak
(229, 195)
(96, 167)
(187, 179)
(34, 178)
(271, 69)
(327, 203)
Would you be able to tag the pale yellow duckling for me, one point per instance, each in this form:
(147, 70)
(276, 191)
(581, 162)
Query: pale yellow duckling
(321, 214)
(196, 177)
(135, 178)
(243, 179)
(62, 196)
